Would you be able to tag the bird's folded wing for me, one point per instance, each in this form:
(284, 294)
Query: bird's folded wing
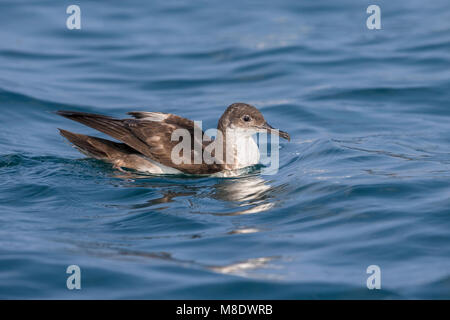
(168, 119)
(150, 133)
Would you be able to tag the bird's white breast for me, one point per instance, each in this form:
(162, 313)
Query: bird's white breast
(246, 152)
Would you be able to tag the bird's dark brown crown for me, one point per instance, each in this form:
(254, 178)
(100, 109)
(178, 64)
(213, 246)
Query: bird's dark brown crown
(241, 115)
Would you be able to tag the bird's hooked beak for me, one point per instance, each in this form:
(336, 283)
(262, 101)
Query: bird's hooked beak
(271, 130)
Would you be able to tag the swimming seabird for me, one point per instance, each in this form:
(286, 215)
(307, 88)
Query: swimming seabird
(147, 140)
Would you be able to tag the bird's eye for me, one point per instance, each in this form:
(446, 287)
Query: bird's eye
(246, 118)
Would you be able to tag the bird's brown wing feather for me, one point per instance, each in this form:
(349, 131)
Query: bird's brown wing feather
(167, 118)
(151, 138)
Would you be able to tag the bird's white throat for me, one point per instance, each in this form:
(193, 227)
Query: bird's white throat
(244, 148)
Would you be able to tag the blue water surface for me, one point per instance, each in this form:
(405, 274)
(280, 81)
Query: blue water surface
(364, 181)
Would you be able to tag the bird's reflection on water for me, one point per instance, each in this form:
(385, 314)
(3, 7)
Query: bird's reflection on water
(244, 268)
(242, 195)
(249, 194)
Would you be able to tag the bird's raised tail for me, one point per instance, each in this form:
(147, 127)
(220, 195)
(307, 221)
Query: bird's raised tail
(118, 154)
(97, 148)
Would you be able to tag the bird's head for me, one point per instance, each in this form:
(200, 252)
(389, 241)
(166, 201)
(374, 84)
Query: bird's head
(247, 119)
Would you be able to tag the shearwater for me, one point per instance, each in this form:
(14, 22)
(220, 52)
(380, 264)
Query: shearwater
(147, 143)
